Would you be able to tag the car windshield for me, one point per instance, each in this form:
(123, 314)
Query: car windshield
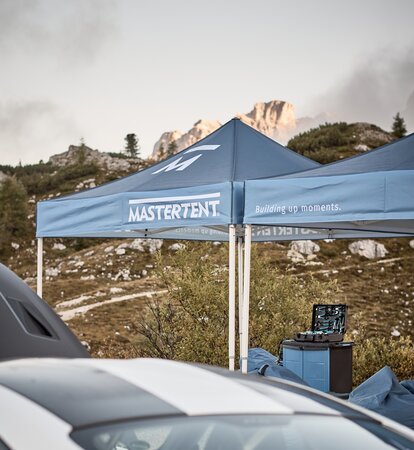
(305, 432)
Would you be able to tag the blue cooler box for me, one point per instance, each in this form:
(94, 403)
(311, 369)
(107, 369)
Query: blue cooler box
(324, 366)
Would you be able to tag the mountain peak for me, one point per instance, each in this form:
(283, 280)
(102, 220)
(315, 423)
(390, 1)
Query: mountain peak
(275, 119)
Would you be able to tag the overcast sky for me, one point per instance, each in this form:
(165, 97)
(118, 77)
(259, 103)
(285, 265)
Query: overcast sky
(99, 69)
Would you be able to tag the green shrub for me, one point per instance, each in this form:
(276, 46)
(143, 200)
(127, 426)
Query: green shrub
(333, 141)
(60, 179)
(373, 353)
(325, 136)
(191, 323)
(13, 214)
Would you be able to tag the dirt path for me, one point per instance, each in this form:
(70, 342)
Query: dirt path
(69, 314)
(353, 266)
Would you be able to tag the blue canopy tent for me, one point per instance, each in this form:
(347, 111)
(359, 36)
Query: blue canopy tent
(195, 194)
(371, 194)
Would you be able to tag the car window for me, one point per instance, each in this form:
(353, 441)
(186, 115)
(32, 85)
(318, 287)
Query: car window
(304, 432)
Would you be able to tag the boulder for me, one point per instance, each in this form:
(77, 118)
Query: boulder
(52, 272)
(295, 256)
(124, 274)
(368, 248)
(305, 247)
(58, 246)
(361, 148)
(176, 247)
(143, 245)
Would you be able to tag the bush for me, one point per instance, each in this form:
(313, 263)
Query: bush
(326, 143)
(13, 214)
(192, 322)
(63, 178)
(325, 136)
(371, 354)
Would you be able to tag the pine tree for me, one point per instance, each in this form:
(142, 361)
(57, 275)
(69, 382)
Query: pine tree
(132, 147)
(172, 148)
(13, 213)
(81, 152)
(398, 127)
(161, 152)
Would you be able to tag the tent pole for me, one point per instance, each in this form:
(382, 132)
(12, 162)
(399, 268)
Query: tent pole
(232, 295)
(39, 267)
(240, 279)
(246, 294)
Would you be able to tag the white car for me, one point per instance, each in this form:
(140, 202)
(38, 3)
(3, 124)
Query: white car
(66, 404)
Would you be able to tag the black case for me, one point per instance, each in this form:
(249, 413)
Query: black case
(329, 323)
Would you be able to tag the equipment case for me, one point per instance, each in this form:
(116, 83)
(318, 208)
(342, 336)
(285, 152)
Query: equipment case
(329, 324)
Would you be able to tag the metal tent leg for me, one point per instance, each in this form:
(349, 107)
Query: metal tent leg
(39, 267)
(246, 294)
(240, 249)
(232, 295)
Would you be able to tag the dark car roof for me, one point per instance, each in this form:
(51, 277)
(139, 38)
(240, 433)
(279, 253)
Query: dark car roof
(28, 326)
(88, 392)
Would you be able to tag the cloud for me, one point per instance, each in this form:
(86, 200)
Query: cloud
(72, 31)
(33, 130)
(408, 113)
(375, 91)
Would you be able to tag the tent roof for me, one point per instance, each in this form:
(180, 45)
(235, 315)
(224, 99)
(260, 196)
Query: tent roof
(234, 152)
(194, 194)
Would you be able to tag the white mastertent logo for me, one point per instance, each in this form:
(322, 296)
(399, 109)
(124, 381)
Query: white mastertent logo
(179, 165)
(174, 208)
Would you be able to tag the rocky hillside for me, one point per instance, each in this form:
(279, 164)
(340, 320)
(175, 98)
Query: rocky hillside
(101, 287)
(330, 142)
(85, 155)
(276, 119)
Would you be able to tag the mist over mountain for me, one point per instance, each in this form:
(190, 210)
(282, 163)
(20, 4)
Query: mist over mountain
(380, 85)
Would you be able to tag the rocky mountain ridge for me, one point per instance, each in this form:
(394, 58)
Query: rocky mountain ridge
(275, 119)
(85, 155)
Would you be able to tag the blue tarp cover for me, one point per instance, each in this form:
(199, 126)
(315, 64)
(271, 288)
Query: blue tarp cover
(383, 394)
(262, 362)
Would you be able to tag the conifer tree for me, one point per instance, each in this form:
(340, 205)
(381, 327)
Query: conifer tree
(398, 127)
(161, 152)
(13, 213)
(172, 148)
(132, 147)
